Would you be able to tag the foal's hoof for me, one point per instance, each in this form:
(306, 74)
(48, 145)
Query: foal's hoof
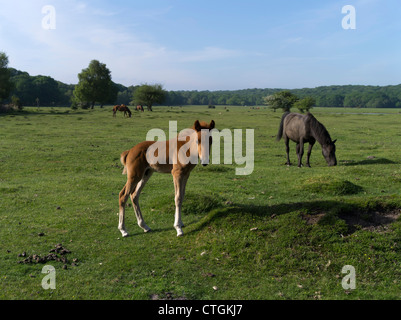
(124, 233)
(144, 227)
(179, 233)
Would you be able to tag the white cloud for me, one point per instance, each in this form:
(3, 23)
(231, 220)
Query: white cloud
(81, 35)
(79, 7)
(208, 54)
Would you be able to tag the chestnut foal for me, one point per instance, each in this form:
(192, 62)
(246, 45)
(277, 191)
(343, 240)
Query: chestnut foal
(142, 160)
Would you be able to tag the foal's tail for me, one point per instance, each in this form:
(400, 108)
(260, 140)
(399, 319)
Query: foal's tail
(123, 159)
(281, 129)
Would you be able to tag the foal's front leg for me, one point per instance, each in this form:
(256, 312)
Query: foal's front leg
(180, 181)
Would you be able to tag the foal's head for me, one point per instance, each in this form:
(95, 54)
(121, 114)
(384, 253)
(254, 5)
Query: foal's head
(203, 140)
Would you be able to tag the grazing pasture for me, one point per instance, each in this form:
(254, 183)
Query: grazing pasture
(280, 233)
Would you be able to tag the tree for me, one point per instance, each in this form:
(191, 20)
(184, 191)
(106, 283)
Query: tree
(330, 100)
(380, 100)
(148, 95)
(354, 100)
(24, 88)
(235, 100)
(305, 104)
(95, 85)
(31, 90)
(5, 77)
(281, 100)
(16, 102)
(46, 90)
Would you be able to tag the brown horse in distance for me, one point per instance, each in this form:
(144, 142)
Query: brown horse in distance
(139, 108)
(306, 129)
(140, 163)
(122, 108)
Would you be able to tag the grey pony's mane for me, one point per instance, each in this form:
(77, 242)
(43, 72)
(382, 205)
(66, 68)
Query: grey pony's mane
(318, 130)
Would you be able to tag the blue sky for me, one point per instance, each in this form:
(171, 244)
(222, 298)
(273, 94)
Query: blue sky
(208, 45)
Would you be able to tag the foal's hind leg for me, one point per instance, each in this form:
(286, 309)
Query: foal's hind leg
(135, 200)
(123, 197)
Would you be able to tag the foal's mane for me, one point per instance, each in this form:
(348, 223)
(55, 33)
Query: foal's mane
(201, 125)
(318, 130)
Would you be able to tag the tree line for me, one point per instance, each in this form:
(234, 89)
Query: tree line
(96, 87)
(18, 88)
(353, 96)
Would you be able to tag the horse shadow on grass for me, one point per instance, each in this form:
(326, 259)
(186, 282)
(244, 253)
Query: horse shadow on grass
(376, 217)
(135, 231)
(367, 162)
(321, 212)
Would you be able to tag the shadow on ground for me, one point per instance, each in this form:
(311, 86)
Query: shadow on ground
(367, 162)
(374, 217)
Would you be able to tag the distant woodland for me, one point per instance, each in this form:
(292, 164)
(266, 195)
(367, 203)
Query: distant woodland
(46, 91)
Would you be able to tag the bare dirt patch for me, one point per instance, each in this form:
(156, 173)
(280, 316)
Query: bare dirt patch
(375, 220)
(378, 221)
(313, 218)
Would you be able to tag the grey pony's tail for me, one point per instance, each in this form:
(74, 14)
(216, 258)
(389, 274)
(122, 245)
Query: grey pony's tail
(280, 130)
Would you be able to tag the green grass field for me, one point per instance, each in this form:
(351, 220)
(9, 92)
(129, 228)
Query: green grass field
(279, 233)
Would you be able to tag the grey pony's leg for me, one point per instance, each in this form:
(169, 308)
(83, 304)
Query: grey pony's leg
(311, 144)
(300, 152)
(287, 150)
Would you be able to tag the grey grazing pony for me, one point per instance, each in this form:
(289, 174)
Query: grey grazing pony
(306, 129)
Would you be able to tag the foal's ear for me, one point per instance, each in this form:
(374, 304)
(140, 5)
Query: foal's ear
(334, 141)
(211, 125)
(197, 126)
